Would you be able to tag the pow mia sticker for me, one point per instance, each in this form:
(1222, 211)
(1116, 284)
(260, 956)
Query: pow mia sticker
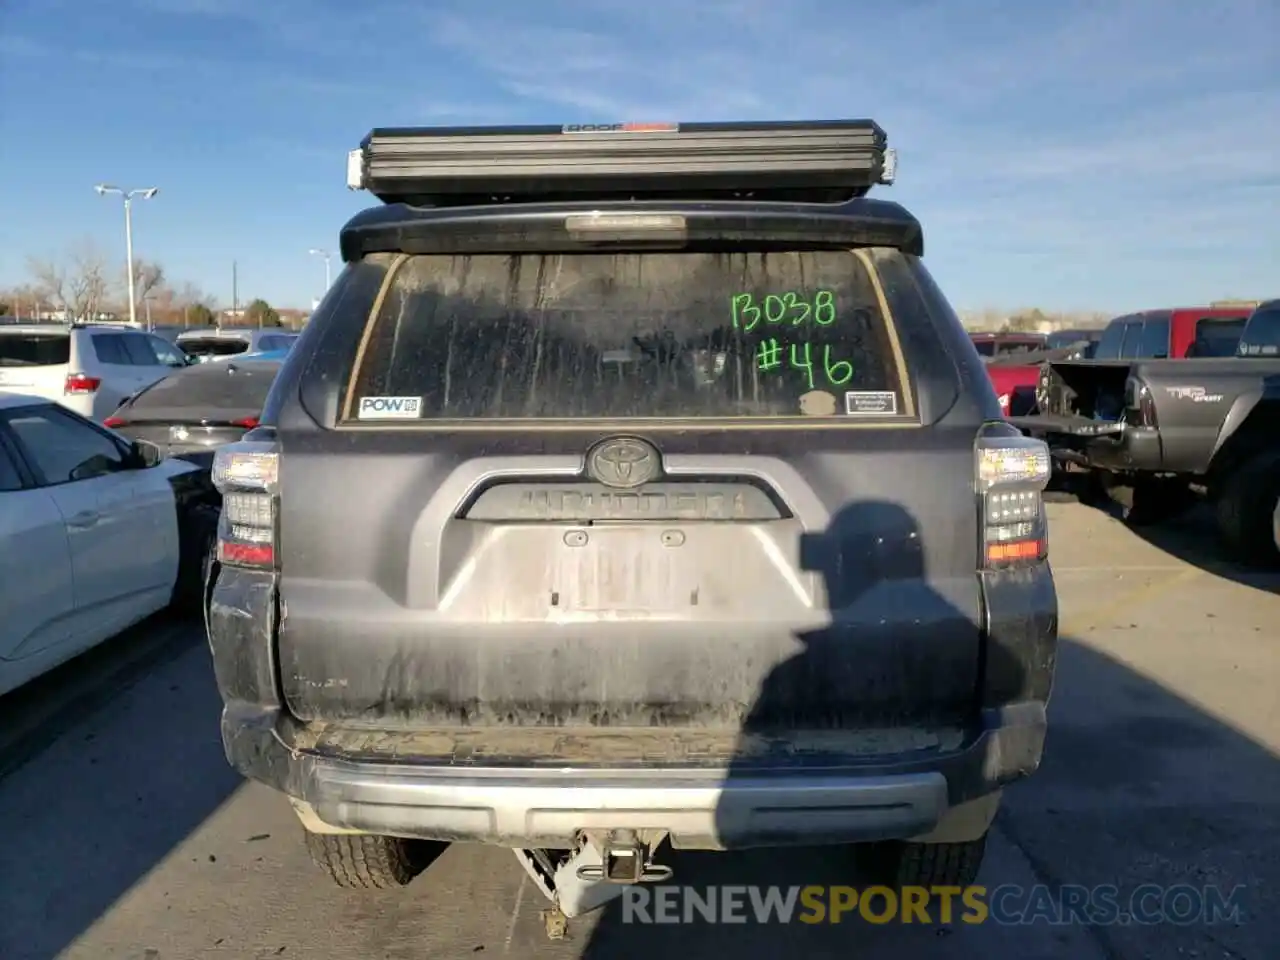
(870, 403)
(389, 408)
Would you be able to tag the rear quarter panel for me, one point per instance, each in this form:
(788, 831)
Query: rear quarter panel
(1201, 403)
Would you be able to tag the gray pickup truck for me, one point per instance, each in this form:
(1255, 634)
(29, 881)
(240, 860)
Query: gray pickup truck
(1159, 427)
(633, 486)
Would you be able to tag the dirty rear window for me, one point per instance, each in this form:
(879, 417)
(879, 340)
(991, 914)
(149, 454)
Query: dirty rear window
(629, 335)
(34, 349)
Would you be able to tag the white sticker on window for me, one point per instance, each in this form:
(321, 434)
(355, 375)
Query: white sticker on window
(871, 403)
(390, 408)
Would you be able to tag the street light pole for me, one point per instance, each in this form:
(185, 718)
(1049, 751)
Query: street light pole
(127, 195)
(128, 256)
(325, 255)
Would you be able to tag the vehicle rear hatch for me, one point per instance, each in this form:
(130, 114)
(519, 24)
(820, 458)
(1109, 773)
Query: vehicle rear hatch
(34, 361)
(205, 349)
(640, 489)
(199, 408)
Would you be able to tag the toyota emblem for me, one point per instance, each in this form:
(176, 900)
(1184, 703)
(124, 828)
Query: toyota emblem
(623, 462)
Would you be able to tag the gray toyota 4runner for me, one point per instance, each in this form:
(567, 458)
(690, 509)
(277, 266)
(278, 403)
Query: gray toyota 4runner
(633, 485)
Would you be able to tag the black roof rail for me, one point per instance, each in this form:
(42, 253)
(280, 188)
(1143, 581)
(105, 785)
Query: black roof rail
(831, 161)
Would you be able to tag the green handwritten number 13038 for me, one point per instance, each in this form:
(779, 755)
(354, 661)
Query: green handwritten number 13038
(783, 308)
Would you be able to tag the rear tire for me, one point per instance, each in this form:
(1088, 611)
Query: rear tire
(369, 862)
(1245, 506)
(1091, 488)
(903, 864)
(1152, 500)
(196, 549)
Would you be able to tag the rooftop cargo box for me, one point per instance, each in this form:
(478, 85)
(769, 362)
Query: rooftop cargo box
(802, 161)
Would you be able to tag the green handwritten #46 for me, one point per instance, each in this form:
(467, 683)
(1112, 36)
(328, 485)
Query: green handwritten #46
(800, 357)
(789, 308)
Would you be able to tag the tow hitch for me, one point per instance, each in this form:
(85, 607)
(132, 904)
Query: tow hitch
(625, 860)
(597, 872)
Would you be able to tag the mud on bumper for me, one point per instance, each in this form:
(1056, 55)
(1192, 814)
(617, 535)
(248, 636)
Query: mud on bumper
(721, 807)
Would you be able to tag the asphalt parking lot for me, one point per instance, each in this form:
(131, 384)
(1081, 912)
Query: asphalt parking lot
(125, 835)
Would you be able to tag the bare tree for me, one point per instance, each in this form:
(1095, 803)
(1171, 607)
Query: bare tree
(146, 278)
(189, 295)
(49, 280)
(25, 301)
(87, 286)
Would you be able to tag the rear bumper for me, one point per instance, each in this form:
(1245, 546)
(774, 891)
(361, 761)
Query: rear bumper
(1136, 449)
(1106, 446)
(701, 808)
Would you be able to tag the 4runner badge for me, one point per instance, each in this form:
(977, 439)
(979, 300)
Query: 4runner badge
(623, 463)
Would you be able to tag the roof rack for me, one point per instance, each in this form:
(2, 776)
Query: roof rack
(829, 161)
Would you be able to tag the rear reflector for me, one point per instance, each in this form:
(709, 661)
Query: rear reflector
(246, 554)
(248, 423)
(1003, 553)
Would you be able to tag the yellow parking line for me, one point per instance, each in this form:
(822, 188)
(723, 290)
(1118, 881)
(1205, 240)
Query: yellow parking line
(1096, 616)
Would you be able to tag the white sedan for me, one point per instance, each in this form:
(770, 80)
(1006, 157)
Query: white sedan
(96, 534)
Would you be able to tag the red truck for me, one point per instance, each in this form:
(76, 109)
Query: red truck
(1013, 364)
(1002, 353)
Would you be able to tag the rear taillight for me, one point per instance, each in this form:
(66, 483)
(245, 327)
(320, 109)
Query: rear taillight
(247, 474)
(78, 383)
(1012, 472)
(247, 422)
(1140, 404)
(114, 423)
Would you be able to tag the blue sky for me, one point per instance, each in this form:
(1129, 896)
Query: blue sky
(1075, 155)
